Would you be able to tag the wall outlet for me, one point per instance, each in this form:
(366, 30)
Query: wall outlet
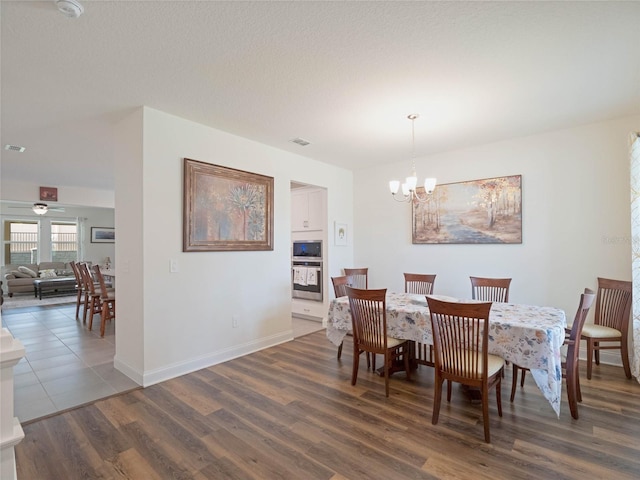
(173, 266)
(234, 321)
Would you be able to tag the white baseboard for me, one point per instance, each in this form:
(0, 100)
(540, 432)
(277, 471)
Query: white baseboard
(182, 368)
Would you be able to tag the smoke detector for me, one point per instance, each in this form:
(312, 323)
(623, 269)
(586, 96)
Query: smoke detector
(70, 8)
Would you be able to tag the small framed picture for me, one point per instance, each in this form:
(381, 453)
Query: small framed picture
(103, 235)
(49, 194)
(340, 232)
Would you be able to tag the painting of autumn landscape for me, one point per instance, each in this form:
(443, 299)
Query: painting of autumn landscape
(477, 211)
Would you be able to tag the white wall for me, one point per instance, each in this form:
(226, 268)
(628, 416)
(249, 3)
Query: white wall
(183, 321)
(576, 217)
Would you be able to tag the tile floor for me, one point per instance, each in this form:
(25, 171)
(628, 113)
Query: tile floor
(67, 365)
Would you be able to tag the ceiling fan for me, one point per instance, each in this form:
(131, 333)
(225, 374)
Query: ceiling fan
(40, 208)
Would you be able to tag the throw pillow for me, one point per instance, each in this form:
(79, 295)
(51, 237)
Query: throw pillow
(48, 273)
(19, 274)
(28, 271)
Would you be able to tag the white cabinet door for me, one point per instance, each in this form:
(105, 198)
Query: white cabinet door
(316, 206)
(299, 211)
(307, 210)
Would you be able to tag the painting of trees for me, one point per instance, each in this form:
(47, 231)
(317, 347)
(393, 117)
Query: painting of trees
(478, 211)
(226, 209)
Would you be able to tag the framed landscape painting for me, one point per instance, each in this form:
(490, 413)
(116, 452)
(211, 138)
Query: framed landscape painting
(226, 209)
(103, 235)
(476, 211)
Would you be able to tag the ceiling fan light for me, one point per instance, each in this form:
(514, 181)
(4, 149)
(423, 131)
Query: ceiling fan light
(40, 208)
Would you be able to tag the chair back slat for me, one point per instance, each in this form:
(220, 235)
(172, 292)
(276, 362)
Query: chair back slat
(359, 277)
(461, 338)
(369, 318)
(490, 289)
(613, 304)
(101, 282)
(87, 278)
(419, 283)
(340, 285)
(573, 339)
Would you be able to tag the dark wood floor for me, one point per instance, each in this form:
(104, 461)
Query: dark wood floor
(290, 412)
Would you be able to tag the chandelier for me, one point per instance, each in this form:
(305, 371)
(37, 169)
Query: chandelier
(409, 193)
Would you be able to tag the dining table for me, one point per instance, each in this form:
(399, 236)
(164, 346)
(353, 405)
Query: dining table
(530, 336)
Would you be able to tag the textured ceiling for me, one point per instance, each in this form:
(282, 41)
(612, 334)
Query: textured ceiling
(342, 75)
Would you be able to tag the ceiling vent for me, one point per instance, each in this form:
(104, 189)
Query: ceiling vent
(14, 148)
(70, 8)
(300, 141)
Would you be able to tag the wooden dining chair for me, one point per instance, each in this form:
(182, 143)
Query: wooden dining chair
(369, 320)
(359, 277)
(107, 301)
(570, 362)
(461, 342)
(610, 324)
(92, 305)
(80, 300)
(421, 284)
(490, 289)
(340, 285)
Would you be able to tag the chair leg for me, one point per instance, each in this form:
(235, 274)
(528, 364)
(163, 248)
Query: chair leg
(589, 358)
(624, 352)
(571, 392)
(596, 349)
(78, 301)
(103, 317)
(91, 314)
(485, 413)
(86, 307)
(514, 381)
(405, 354)
(387, 360)
(340, 350)
(356, 363)
(437, 399)
(499, 395)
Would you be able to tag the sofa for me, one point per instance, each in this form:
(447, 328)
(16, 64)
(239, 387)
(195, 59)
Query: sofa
(19, 278)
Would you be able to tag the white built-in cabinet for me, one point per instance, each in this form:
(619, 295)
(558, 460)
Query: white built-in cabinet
(307, 210)
(309, 214)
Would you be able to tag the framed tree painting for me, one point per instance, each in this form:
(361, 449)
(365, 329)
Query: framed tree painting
(226, 209)
(476, 211)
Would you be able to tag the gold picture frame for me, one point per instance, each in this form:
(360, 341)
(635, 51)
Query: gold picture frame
(473, 212)
(226, 209)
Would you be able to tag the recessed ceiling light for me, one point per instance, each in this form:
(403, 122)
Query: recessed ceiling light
(70, 8)
(14, 148)
(301, 142)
